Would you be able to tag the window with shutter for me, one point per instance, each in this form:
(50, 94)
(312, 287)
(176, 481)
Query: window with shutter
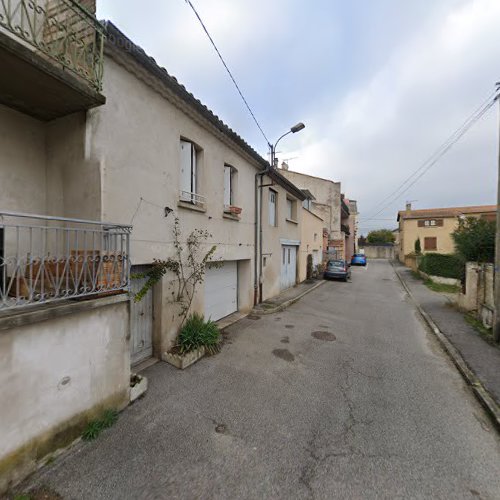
(188, 171)
(228, 192)
(430, 243)
(272, 207)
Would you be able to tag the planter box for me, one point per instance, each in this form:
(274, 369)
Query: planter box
(182, 361)
(233, 210)
(139, 388)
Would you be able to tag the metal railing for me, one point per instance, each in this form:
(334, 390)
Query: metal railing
(194, 198)
(61, 30)
(47, 259)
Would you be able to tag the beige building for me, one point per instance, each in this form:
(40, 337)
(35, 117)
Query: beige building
(327, 205)
(434, 226)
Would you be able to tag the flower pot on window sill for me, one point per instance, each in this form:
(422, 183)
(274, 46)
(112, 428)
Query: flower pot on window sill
(233, 210)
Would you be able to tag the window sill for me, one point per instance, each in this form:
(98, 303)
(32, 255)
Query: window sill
(231, 216)
(191, 206)
(292, 221)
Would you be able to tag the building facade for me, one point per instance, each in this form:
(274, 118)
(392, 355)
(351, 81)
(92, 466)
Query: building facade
(434, 227)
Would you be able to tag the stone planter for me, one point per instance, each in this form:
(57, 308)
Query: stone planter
(139, 387)
(182, 361)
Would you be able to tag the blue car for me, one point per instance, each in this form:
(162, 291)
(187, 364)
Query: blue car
(358, 259)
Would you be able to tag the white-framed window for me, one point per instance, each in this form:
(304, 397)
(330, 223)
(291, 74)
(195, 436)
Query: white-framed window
(229, 185)
(189, 171)
(291, 209)
(273, 203)
(307, 204)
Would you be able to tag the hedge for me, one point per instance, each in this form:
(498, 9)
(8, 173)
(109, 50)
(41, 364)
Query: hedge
(445, 265)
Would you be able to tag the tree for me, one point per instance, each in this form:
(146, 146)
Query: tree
(475, 239)
(380, 236)
(418, 246)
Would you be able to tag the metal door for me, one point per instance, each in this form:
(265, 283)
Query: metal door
(141, 320)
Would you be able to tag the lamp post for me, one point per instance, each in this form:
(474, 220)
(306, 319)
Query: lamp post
(296, 128)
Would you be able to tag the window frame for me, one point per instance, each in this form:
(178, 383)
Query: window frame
(273, 208)
(189, 196)
(427, 240)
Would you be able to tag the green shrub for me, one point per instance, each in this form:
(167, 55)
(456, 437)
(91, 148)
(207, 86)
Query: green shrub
(196, 333)
(445, 265)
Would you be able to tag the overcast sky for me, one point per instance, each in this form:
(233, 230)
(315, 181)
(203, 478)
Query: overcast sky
(380, 84)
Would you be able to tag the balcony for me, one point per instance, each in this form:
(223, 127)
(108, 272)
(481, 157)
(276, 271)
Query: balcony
(345, 229)
(47, 259)
(51, 55)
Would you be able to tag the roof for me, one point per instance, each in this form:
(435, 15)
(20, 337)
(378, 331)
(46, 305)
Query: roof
(311, 176)
(308, 194)
(285, 183)
(120, 41)
(446, 212)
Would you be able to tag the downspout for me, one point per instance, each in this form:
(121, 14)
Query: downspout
(257, 286)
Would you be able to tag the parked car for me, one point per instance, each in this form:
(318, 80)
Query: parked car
(358, 259)
(337, 269)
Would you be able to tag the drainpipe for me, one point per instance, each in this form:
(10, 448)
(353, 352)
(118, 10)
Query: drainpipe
(257, 286)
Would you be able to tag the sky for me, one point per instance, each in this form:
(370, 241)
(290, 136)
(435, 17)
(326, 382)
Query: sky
(379, 84)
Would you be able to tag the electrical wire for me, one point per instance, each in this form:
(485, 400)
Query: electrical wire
(438, 154)
(228, 70)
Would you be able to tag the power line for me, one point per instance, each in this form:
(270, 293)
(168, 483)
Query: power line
(227, 69)
(438, 154)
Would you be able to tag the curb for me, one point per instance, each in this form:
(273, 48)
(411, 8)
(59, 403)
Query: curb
(288, 303)
(482, 395)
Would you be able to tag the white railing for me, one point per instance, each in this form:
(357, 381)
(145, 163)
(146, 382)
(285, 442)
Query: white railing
(47, 259)
(194, 198)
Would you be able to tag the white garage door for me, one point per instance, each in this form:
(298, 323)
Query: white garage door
(221, 291)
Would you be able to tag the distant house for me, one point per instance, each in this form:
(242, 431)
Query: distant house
(434, 226)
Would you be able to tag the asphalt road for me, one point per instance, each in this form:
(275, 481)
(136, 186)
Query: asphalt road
(343, 395)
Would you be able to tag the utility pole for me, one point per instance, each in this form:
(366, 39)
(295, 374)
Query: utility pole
(496, 324)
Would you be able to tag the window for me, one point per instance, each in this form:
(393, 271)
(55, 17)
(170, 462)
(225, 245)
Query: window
(430, 243)
(229, 185)
(273, 198)
(291, 209)
(189, 172)
(430, 223)
(307, 204)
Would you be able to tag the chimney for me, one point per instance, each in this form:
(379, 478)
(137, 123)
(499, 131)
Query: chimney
(284, 166)
(408, 206)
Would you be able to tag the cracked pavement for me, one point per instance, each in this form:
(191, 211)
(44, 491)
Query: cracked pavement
(379, 412)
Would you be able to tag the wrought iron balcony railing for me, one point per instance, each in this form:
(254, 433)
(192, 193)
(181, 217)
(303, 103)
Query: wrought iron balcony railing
(61, 30)
(47, 259)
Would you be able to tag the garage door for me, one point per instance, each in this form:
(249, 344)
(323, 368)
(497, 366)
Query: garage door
(221, 291)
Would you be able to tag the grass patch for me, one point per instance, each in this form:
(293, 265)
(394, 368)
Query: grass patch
(485, 333)
(440, 287)
(95, 427)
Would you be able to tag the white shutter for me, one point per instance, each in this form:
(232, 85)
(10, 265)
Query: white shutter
(227, 186)
(186, 173)
(194, 171)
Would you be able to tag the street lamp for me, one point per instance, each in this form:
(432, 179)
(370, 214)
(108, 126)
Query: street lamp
(296, 128)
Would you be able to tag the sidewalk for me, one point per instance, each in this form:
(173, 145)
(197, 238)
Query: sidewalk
(286, 298)
(482, 358)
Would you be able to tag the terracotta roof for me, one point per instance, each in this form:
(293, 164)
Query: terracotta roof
(446, 212)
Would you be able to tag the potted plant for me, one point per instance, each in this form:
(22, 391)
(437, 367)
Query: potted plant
(196, 338)
(233, 210)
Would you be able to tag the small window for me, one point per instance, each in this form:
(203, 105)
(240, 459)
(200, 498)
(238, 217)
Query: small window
(315, 236)
(273, 198)
(307, 204)
(291, 209)
(229, 185)
(430, 243)
(188, 172)
(265, 261)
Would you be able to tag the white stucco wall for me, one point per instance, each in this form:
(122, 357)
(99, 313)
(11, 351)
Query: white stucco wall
(140, 175)
(311, 240)
(273, 235)
(54, 375)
